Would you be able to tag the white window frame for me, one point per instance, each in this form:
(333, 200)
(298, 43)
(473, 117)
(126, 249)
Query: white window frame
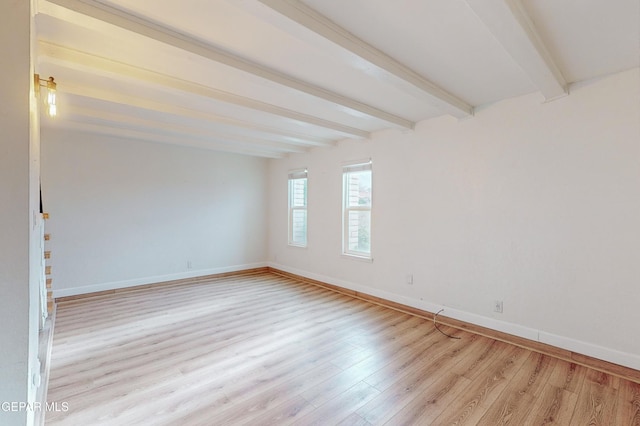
(293, 176)
(346, 209)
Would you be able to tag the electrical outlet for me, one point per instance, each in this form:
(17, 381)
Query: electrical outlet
(497, 306)
(410, 279)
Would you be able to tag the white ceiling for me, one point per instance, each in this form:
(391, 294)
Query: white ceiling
(270, 77)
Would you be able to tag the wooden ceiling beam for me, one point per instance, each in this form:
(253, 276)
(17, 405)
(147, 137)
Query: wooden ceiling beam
(129, 121)
(135, 24)
(382, 63)
(510, 24)
(114, 69)
(171, 109)
(147, 136)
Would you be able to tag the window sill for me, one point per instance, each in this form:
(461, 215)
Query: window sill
(298, 246)
(356, 257)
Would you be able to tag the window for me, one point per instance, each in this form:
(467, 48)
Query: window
(298, 208)
(356, 210)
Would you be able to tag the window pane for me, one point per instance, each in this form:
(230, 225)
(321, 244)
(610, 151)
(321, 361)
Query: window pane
(299, 227)
(298, 192)
(359, 188)
(298, 210)
(358, 231)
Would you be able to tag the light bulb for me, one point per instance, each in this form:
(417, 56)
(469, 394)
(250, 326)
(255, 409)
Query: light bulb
(51, 97)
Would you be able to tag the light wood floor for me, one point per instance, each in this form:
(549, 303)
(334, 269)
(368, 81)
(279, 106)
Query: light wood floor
(266, 350)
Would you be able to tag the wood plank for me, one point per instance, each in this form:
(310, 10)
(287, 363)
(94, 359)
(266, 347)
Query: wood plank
(224, 344)
(568, 376)
(597, 401)
(267, 396)
(185, 281)
(261, 348)
(419, 378)
(428, 404)
(629, 404)
(286, 413)
(441, 351)
(353, 420)
(518, 396)
(483, 391)
(587, 361)
(340, 407)
(397, 349)
(556, 403)
(478, 361)
(554, 406)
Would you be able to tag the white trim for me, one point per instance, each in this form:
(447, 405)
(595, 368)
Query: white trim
(114, 285)
(297, 246)
(357, 165)
(354, 168)
(590, 349)
(302, 173)
(358, 257)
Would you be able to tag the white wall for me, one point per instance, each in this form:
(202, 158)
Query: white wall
(127, 212)
(536, 204)
(20, 268)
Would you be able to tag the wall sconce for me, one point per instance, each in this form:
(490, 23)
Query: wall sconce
(50, 100)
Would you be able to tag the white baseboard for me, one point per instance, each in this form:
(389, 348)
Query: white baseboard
(578, 346)
(596, 351)
(94, 288)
